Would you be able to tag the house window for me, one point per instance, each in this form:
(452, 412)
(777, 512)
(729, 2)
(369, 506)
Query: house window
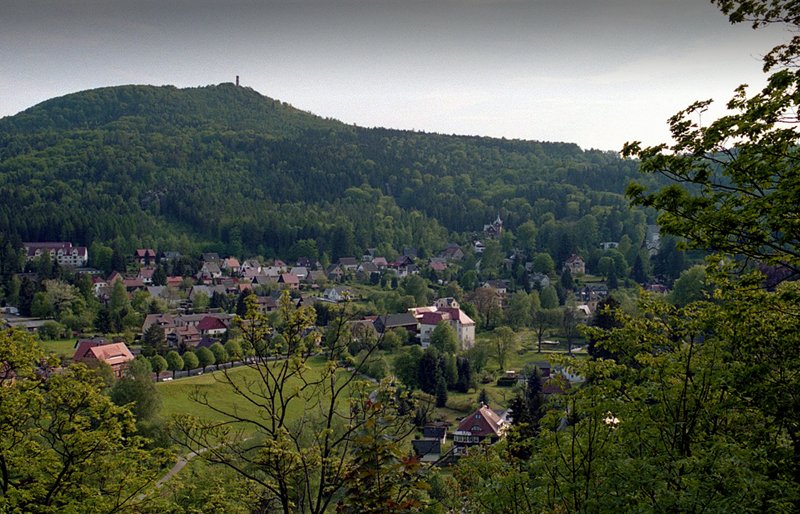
(475, 428)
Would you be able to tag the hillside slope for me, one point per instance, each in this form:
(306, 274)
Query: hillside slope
(225, 167)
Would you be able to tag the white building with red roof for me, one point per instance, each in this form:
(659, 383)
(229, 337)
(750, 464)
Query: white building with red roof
(445, 309)
(428, 321)
(212, 326)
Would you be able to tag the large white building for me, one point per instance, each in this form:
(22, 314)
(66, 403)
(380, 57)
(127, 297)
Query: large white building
(445, 309)
(63, 253)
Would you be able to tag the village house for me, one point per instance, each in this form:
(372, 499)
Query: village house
(209, 271)
(175, 282)
(499, 286)
(165, 321)
(146, 275)
(575, 264)
(482, 425)
(380, 262)
(367, 270)
(116, 355)
(349, 263)
(212, 326)
(453, 252)
(99, 284)
(133, 284)
(289, 281)
(301, 272)
(494, 229)
(272, 271)
(184, 337)
(592, 292)
(251, 264)
(144, 256)
(335, 273)
(538, 280)
(448, 309)
(338, 294)
(61, 252)
(231, 265)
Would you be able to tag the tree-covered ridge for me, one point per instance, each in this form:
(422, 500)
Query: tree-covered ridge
(153, 108)
(142, 164)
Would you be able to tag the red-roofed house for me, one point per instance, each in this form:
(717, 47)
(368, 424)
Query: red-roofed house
(133, 284)
(212, 326)
(116, 355)
(231, 265)
(145, 256)
(146, 275)
(483, 424)
(289, 281)
(461, 323)
(174, 281)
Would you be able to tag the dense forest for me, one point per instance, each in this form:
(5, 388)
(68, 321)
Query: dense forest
(224, 168)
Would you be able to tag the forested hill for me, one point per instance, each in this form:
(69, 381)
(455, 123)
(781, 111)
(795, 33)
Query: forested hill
(224, 167)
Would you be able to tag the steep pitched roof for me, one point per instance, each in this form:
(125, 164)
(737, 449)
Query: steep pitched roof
(574, 258)
(288, 278)
(211, 323)
(484, 422)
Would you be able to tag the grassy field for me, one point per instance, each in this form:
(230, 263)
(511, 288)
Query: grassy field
(61, 347)
(176, 396)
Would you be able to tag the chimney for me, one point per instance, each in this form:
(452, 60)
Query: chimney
(237, 80)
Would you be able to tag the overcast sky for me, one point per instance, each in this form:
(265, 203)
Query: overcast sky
(597, 73)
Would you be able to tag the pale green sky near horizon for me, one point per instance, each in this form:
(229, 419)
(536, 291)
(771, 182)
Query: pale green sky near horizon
(595, 73)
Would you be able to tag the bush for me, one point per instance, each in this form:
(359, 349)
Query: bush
(51, 330)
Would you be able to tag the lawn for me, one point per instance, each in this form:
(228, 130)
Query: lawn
(61, 347)
(176, 395)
